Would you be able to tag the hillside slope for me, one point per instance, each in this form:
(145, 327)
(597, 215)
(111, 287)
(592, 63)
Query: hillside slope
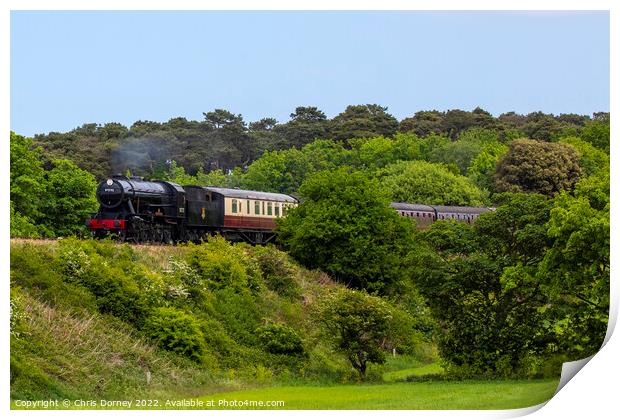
(95, 319)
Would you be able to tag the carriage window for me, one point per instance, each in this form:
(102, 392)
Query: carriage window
(247, 206)
(284, 209)
(234, 206)
(417, 214)
(257, 207)
(277, 210)
(263, 207)
(269, 208)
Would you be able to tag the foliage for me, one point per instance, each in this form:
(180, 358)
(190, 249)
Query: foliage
(71, 198)
(75, 355)
(361, 121)
(280, 171)
(480, 284)
(155, 296)
(428, 183)
(531, 166)
(176, 331)
(222, 265)
(285, 171)
(451, 237)
(22, 226)
(280, 339)
(515, 232)
(223, 140)
(597, 132)
(423, 123)
(27, 177)
(277, 271)
(466, 148)
(576, 269)
(358, 325)
(345, 227)
(114, 292)
(482, 167)
(307, 124)
(592, 160)
(17, 316)
(47, 203)
(378, 152)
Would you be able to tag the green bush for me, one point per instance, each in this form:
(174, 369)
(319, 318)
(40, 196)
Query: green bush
(177, 331)
(117, 295)
(220, 264)
(35, 269)
(280, 339)
(239, 313)
(115, 291)
(277, 271)
(221, 344)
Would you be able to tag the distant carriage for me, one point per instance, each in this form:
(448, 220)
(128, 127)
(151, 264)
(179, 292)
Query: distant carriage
(425, 215)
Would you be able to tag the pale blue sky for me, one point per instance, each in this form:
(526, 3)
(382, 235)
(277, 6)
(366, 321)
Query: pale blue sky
(70, 68)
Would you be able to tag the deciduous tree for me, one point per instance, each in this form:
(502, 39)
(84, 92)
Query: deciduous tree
(359, 325)
(428, 183)
(541, 167)
(344, 226)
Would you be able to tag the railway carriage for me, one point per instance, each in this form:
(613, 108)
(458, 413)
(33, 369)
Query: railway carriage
(237, 214)
(461, 214)
(425, 215)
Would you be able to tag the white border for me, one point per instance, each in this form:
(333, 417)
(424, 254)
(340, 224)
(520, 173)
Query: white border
(592, 393)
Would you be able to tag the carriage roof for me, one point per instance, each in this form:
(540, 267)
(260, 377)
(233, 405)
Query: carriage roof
(251, 195)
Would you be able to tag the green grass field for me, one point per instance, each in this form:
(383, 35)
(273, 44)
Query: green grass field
(438, 395)
(466, 395)
(403, 374)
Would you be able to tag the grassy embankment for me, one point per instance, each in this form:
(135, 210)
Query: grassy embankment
(74, 342)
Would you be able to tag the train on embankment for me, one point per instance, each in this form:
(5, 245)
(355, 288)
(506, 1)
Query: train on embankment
(134, 210)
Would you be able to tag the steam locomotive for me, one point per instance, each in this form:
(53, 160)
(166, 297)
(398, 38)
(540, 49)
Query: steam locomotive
(140, 211)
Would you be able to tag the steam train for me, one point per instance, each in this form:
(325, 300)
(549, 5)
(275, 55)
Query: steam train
(140, 211)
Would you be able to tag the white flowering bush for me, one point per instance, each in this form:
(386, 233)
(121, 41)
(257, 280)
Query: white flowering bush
(17, 317)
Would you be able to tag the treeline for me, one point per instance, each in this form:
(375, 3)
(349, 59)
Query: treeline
(223, 140)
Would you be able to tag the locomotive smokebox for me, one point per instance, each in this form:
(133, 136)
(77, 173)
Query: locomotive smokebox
(110, 193)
